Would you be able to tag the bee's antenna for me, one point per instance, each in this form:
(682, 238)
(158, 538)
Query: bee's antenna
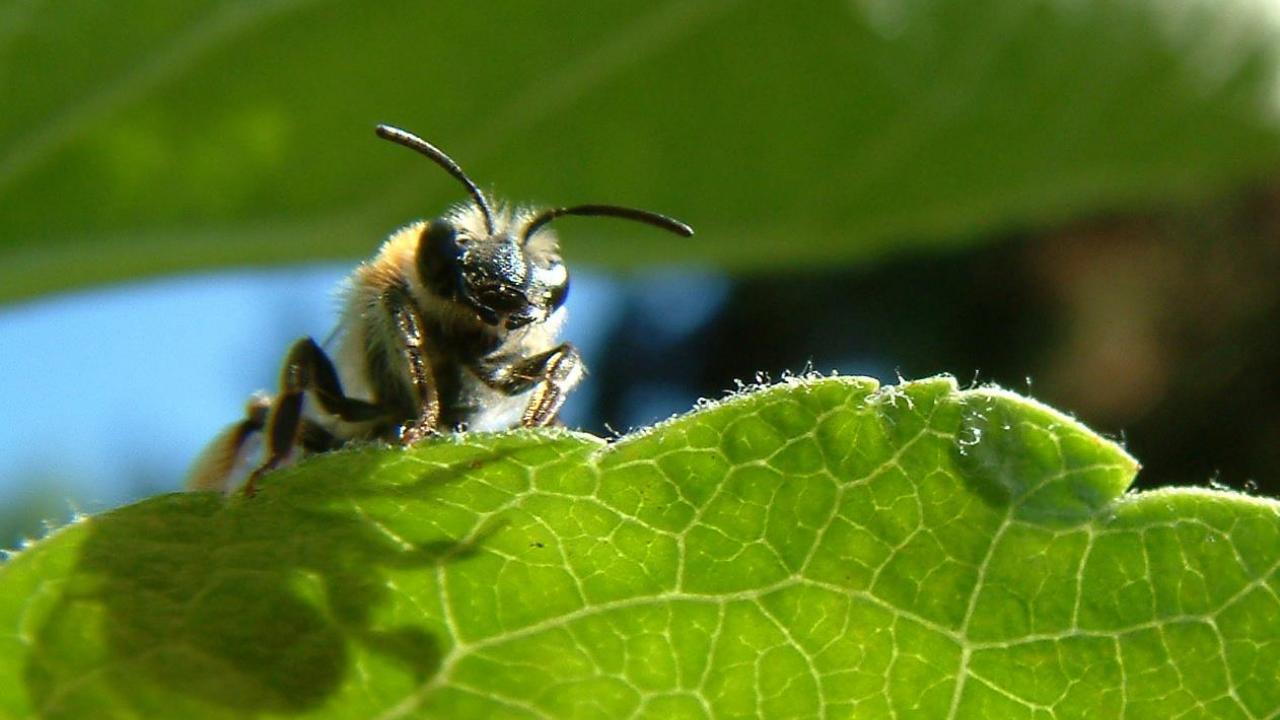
(644, 216)
(409, 140)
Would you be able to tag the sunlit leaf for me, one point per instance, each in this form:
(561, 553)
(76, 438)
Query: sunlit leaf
(819, 548)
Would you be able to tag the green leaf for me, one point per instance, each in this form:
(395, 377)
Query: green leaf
(153, 136)
(818, 548)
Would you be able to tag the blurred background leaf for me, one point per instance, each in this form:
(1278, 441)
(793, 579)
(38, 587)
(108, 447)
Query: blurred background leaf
(1077, 199)
(149, 137)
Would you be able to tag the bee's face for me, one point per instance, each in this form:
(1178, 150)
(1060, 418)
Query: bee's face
(506, 282)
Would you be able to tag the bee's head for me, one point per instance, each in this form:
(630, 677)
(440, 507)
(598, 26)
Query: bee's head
(504, 279)
(507, 270)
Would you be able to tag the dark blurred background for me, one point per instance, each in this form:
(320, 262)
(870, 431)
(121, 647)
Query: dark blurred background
(1079, 201)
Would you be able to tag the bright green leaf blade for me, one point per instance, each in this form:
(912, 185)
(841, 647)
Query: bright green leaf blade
(819, 546)
(151, 137)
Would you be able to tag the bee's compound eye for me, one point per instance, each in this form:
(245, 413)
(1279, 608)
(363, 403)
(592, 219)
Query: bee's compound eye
(438, 254)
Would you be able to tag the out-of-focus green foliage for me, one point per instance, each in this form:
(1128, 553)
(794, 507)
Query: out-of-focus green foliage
(152, 136)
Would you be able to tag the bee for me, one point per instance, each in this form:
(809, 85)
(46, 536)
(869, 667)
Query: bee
(453, 325)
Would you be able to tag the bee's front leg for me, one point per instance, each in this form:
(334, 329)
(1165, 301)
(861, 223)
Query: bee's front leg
(559, 371)
(551, 375)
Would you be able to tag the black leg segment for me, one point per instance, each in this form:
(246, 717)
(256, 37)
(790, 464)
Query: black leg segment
(306, 368)
(412, 346)
(550, 375)
(561, 370)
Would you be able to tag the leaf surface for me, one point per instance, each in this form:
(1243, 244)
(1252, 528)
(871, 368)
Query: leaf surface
(821, 548)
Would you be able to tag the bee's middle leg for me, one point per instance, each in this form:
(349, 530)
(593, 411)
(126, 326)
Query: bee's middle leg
(306, 368)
